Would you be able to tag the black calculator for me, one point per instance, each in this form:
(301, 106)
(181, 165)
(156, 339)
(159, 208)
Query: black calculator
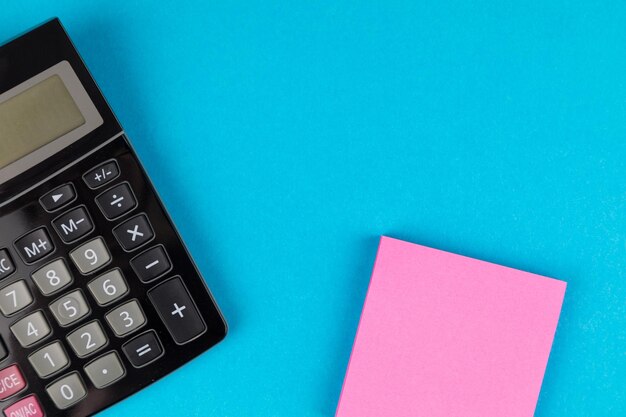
(98, 295)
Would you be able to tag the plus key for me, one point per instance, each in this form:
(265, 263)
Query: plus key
(177, 310)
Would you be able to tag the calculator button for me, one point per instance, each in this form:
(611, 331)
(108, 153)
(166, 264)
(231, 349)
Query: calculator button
(91, 256)
(108, 287)
(134, 233)
(143, 349)
(67, 391)
(102, 174)
(14, 298)
(31, 329)
(73, 225)
(26, 407)
(105, 370)
(34, 246)
(177, 310)
(49, 360)
(126, 318)
(87, 339)
(7, 267)
(70, 308)
(151, 264)
(11, 382)
(58, 197)
(117, 201)
(52, 277)
(3, 350)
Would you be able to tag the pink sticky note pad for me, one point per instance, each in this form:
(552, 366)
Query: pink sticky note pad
(443, 335)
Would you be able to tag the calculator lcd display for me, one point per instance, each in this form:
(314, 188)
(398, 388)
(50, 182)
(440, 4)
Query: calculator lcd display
(36, 117)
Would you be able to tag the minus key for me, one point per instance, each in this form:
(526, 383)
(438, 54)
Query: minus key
(151, 264)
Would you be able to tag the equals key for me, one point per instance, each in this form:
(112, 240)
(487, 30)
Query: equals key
(151, 264)
(117, 201)
(143, 349)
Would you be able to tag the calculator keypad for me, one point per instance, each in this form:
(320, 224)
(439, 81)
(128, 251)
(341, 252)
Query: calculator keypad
(107, 289)
(70, 308)
(49, 360)
(91, 256)
(15, 297)
(31, 329)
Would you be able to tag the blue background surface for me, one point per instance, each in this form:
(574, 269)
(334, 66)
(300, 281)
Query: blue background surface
(285, 138)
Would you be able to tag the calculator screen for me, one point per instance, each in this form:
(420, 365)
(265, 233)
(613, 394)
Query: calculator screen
(42, 116)
(35, 117)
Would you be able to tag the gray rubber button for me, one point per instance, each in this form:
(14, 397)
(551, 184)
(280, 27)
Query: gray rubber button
(70, 308)
(49, 360)
(67, 391)
(14, 298)
(108, 287)
(105, 370)
(52, 277)
(31, 329)
(87, 339)
(91, 256)
(126, 318)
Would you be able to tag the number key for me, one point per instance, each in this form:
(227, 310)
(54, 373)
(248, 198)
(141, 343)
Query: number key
(70, 308)
(14, 298)
(126, 318)
(67, 391)
(52, 277)
(31, 329)
(49, 359)
(91, 256)
(87, 339)
(108, 287)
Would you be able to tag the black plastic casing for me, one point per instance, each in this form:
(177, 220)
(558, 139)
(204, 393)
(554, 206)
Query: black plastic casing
(21, 212)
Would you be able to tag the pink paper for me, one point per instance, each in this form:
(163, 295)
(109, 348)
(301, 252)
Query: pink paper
(443, 335)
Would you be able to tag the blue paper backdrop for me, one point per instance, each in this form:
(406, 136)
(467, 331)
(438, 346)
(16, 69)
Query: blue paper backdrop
(285, 137)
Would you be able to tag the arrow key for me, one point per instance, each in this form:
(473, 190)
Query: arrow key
(59, 197)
